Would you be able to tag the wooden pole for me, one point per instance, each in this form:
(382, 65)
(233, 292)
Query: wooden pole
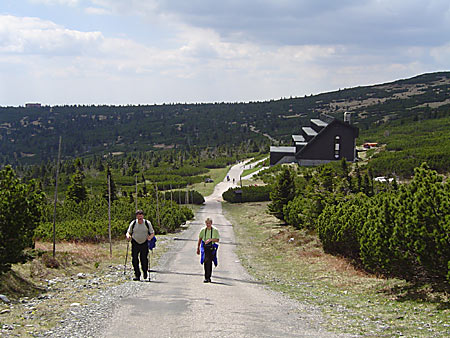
(136, 207)
(56, 197)
(109, 215)
(157, 206)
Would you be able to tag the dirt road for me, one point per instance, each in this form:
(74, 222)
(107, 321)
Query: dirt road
(178, 304)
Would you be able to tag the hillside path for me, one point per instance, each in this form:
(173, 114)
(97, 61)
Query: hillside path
(176, 303)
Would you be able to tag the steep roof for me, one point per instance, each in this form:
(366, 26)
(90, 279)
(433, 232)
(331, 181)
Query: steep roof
(315, 138)
(274, 149)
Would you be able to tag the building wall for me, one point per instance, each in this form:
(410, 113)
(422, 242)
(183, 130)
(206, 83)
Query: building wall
(312, 163)
(323, 146)
(279, 158)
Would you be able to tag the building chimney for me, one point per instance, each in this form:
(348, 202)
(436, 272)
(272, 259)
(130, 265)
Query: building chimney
(348, 117)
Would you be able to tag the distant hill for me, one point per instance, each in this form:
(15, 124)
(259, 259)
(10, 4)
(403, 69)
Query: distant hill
(30, 134)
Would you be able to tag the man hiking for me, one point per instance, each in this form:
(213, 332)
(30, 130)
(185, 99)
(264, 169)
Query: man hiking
(140, 232)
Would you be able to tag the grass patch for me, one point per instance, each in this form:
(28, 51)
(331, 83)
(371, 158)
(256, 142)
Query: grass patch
(217, 175)
(292, 261)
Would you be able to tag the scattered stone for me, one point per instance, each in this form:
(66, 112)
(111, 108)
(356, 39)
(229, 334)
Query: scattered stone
(5, 299)
(5, 311)
(8, 327)
(81, 275)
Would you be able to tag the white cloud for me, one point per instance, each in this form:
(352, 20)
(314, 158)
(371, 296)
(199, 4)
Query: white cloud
(168, 51)
(56, 2)
(35, 36)
(97, 11)
(381, 23)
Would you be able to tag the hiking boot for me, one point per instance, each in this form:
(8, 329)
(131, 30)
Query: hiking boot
(136, 278)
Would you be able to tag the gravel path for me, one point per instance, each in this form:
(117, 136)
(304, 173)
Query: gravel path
(178, 304)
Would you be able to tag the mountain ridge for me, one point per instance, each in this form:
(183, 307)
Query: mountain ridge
(30, 135)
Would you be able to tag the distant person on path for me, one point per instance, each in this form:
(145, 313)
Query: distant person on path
(140, 232)
(207, 241)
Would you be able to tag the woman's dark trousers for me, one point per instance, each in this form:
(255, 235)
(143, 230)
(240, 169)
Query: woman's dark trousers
(139, 252)
(209, 254)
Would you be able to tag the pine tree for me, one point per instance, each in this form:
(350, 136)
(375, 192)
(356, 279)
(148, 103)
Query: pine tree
(21, 207)
(282, 193)
(76, 190)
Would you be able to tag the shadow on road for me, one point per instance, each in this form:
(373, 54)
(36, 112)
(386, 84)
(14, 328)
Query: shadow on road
(215, 278)
(195, 240)
(215, 224)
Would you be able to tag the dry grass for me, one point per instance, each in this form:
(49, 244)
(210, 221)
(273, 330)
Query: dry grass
(71, 258)
(352, 300)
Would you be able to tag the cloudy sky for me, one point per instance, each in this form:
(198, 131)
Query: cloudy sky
(160, 51)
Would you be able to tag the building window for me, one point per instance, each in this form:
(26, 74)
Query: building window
(337, 146)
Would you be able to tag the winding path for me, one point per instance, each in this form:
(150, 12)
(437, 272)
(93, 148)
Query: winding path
(178, 304)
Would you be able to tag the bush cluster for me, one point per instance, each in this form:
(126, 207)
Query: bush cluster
(88, 220)
(399, 230)
(185, 196)
(21, 207)
(247, 194)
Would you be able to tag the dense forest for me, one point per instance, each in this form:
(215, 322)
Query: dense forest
(29, 135)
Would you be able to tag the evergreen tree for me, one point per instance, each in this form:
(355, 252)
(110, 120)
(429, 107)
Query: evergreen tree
(21, 207)
(282, 193)
(76, 190)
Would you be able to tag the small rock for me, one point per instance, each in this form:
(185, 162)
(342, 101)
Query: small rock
(5, 299)
(5, 311)
(81, 275)
(75, 304)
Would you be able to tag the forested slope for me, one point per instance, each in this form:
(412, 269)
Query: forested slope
(30, 135)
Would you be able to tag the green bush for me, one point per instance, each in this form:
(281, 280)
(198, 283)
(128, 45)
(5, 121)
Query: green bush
(179, 196)
(339, 226)
(248, 194)
(376, 232)
(21, 207)
(402, 231)
(283, 191)
(422, 229)
(88, 220)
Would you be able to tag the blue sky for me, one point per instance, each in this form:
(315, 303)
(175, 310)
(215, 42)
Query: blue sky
(156, 51)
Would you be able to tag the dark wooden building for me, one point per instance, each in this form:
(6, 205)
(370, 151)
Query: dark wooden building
(326, 139)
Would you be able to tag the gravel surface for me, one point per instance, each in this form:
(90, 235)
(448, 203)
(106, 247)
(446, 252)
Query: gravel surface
(90, 320)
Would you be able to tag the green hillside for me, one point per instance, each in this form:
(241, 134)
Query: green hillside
(407, 145)
(30, 135)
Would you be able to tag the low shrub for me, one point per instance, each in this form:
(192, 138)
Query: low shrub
(247, 194)
(182, 196)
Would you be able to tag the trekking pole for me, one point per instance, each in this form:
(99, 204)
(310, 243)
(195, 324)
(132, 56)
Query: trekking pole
(126, 257)
(149, 268)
